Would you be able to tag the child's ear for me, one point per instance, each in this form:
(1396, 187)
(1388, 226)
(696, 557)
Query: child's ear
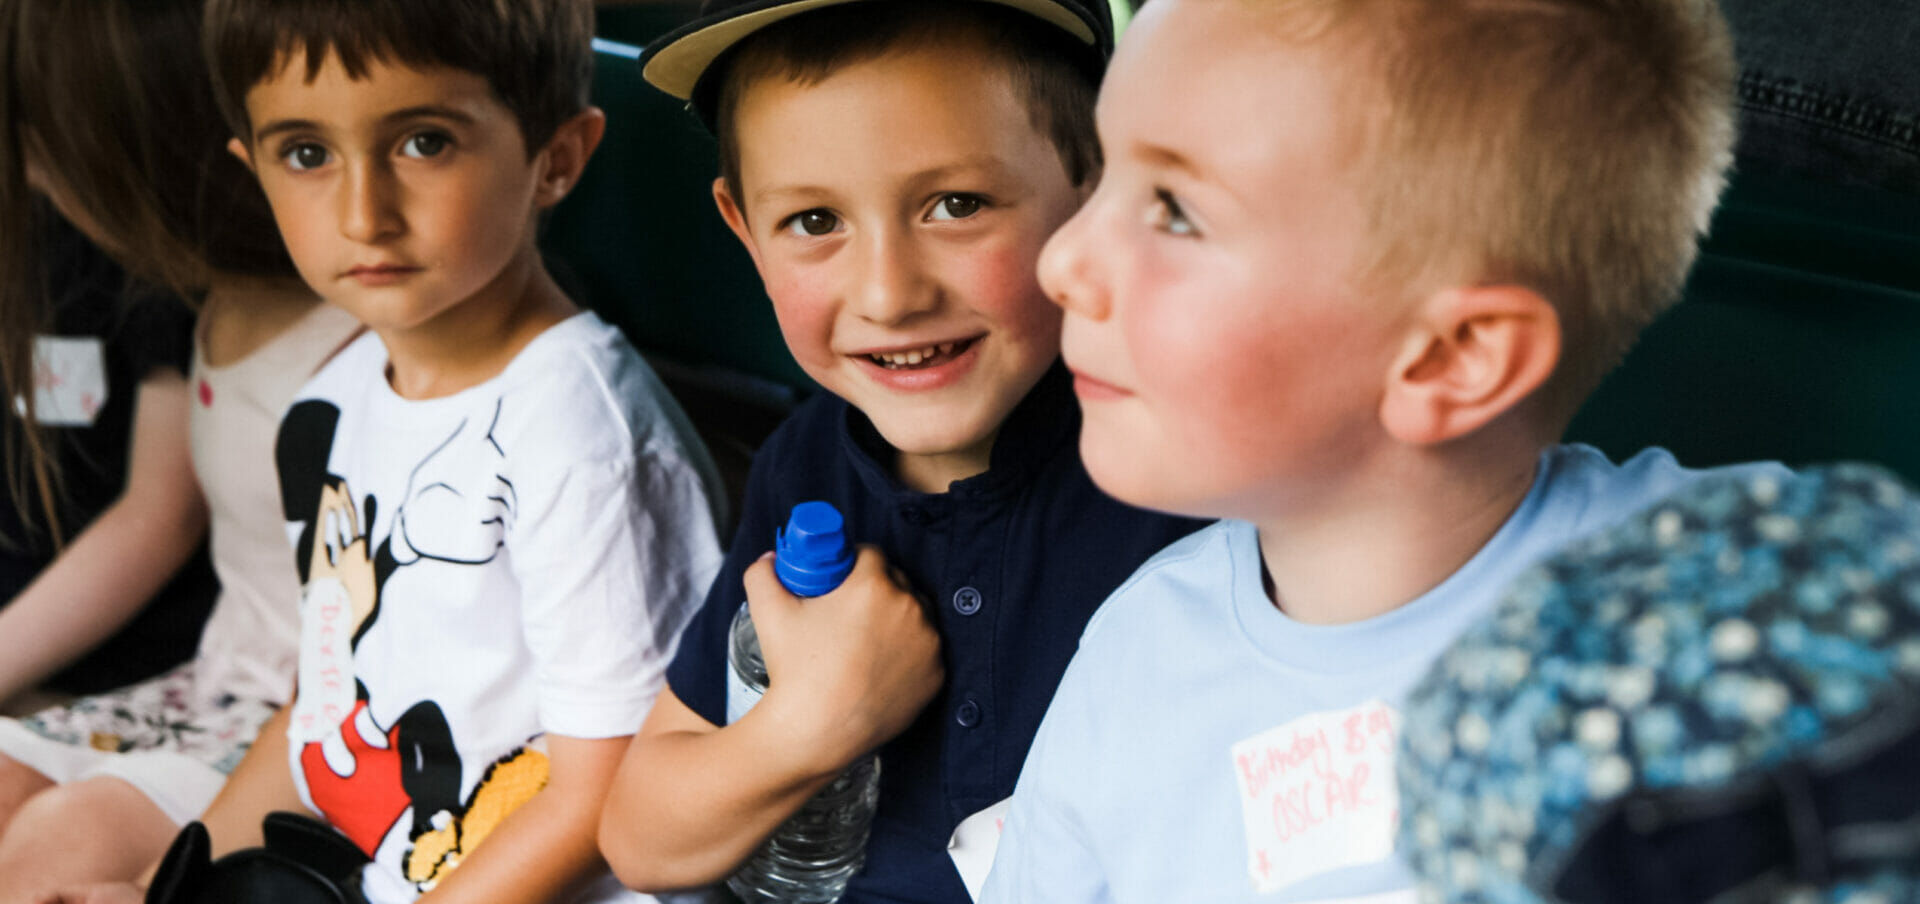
(1472, 355)
(736, 220)
(567, 153)
(238, 148)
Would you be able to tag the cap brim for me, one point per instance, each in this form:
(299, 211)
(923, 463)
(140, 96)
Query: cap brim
(676, 61)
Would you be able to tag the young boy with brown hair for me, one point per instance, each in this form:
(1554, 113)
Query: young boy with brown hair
(501, 519)
(1351, 268)
(894, 169)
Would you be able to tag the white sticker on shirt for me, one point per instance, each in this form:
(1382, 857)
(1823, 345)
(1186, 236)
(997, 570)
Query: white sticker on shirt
(1318, 794)
(1403, 896)
(974, 842)
(327, 690)
(69, 381)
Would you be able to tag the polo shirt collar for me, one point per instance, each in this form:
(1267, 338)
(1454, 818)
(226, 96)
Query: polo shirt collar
(1046, 420)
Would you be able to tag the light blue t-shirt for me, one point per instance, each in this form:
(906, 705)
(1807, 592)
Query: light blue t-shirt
(1205, 747)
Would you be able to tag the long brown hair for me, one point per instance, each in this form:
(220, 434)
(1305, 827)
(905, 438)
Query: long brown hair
(111, 98)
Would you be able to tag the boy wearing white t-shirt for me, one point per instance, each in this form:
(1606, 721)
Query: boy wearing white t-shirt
(501, 519)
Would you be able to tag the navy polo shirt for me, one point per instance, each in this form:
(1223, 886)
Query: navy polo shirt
(1014, 561)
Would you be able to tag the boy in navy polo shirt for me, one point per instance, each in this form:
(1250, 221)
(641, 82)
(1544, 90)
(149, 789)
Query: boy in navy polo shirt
(894, 169)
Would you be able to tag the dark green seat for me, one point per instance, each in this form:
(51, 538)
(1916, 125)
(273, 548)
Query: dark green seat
(642, 240)
(1798, 338)
(639, 241)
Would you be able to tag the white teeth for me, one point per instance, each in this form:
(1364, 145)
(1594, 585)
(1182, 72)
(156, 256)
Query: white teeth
(914, 356)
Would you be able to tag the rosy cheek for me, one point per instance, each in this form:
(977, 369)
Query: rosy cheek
(1006, 288)
(804, 310)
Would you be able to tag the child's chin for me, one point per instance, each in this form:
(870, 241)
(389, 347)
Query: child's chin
(929, 438)
(1128, 479)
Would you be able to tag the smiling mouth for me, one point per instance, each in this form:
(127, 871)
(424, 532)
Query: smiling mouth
(921, 358)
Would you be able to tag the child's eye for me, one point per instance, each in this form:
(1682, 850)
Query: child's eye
(811, 223)
(956, 207)
(1168, 217)
(303, 157)
(425, 144)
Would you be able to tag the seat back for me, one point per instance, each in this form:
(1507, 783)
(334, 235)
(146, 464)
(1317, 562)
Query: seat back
(639, 237)
(1798, 337)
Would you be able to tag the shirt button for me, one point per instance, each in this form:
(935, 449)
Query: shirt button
(915, 515)
(966, 601)
(968, 715)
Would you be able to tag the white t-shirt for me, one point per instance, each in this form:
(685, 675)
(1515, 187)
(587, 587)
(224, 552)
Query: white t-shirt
(1205, 747)
(480, 569)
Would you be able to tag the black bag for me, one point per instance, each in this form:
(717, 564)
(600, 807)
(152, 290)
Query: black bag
(304, 862)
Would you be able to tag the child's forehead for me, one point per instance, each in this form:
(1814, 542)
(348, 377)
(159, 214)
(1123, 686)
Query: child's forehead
(886, 101)
(962, 65)
(1182, 79)
(294, 79)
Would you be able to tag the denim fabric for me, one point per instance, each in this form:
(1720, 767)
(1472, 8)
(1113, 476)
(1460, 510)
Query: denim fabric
(1830, 90)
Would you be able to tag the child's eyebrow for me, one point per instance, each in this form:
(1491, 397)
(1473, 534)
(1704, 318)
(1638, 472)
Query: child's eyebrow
(1167, 158)
(981, 164)
(776, 193)
(436, 111)
(433, 111)
(278, 126)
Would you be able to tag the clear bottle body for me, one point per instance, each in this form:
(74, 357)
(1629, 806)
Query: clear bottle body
(813, 855)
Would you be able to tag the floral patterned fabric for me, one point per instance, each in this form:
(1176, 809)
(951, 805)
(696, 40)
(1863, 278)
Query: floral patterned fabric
(164, 713)
(1739, 626)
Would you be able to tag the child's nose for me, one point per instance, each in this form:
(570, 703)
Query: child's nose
(1064, 268)
(368, 212)
(893, 283)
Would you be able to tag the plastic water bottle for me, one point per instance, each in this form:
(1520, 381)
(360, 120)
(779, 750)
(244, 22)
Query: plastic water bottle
(810, 858)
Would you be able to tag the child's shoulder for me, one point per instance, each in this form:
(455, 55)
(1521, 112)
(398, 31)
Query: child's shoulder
(807, 454)
(581, 390)
(815, 426)
(356, 370)
(1192, 578)
(1579, 489)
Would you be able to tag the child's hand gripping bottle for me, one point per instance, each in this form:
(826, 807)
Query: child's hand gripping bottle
(810, 858)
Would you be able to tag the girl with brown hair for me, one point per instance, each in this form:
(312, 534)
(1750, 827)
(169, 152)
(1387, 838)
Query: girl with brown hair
(107, 117)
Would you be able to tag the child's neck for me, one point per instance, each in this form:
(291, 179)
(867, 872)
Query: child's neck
(937, 472)
(473, 341)
(1413, 523)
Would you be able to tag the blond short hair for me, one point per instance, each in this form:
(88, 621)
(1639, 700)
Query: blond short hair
(1576, 147)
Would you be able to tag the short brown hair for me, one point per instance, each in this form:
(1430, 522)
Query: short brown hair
(1055, 76)
(537, 55)
(1576, 147)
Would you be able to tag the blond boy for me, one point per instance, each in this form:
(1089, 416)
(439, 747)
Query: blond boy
(1349, 271)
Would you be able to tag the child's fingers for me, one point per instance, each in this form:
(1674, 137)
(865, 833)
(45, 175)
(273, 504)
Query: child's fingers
(869, 563)
(765, 593)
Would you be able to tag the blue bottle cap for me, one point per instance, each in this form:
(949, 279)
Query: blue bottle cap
(812, 555)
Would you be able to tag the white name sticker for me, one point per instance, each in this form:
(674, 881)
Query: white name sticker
(1318, 794)
(69, 381)
(974, 842)
(326, 660)
(1403, 896)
